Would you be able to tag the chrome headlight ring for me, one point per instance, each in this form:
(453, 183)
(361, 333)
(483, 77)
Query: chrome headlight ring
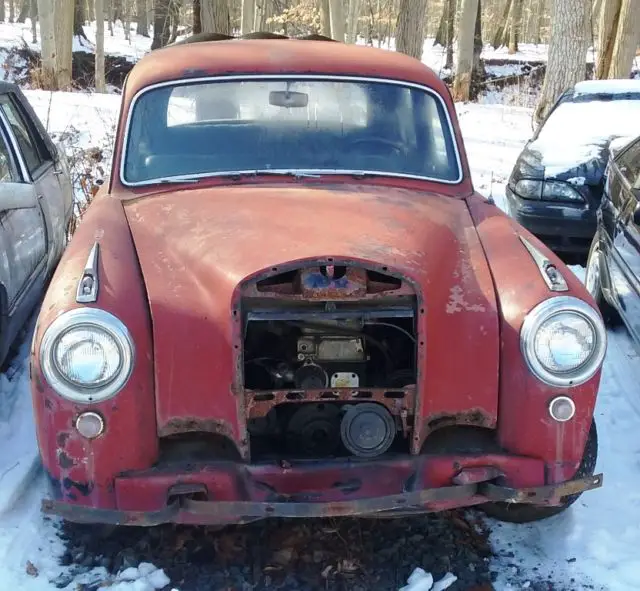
(544, 312)
(87, 320)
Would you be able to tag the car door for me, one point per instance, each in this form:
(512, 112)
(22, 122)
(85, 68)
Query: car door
(43, 170)
(625, 199)
(23, 238)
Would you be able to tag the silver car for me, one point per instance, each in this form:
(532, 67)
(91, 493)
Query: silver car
(36, 208)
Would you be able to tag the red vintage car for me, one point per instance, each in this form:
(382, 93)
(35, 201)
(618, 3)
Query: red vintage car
(288, 300)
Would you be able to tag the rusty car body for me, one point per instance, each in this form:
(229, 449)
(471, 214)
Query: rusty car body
(288, 300)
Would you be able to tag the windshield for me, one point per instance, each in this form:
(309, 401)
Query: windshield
(587, 119)
(224, 127)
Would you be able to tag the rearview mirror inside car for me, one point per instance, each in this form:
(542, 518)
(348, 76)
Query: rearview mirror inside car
(288, 99)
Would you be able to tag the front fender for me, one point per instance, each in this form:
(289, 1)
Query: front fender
(82, 470)
(524, 424)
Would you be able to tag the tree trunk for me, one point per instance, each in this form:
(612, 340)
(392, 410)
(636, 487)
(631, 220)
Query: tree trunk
(336, 13)
(607, 33)
(626, 41)
(161, 24)
(100, 81)
(197, 22)
(126, 20)
(215, 16)
(3, 15)
(79, 18)
(410, 27)
(24, 11)
(352, 21)
(33, 17)
(566, 64)
(477, 70)
(502, 26)
(48, 45)
(537, 21)
(516, 25)
(441, 33)
(248, 16)
(466, 35)
(451, 19)
(174, 14)
(325, 18)
(12, 10)
(142, 22)
(63, 14)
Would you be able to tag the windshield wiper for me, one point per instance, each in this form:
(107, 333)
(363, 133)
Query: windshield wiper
(178, 180)
(294, 173)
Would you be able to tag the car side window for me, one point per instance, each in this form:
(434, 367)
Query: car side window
(8, 172)
(22, 133)
(629, 164)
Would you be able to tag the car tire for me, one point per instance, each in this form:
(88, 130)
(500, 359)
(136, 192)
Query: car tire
(526, 513)
(593, 283)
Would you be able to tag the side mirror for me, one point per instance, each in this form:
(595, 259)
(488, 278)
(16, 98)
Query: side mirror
(17, 196)
(636, 215)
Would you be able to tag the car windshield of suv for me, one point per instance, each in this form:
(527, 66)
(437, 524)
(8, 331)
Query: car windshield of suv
(205, 128)
(593, 118)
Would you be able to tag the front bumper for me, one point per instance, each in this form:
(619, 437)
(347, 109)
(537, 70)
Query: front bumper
(229, 492)
(563, 227)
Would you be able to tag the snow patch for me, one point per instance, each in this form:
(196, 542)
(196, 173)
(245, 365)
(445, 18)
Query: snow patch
(421, 580)
(616, 86)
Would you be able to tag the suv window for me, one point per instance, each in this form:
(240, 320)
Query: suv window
(629, 164)
(23, 134)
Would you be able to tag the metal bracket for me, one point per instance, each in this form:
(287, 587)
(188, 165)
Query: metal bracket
(552, 277)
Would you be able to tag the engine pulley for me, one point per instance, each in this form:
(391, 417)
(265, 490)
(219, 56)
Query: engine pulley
(310, 376)
(314, 430)
(367, 429)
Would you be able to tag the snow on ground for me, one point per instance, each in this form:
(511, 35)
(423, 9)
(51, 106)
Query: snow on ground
(15, 34)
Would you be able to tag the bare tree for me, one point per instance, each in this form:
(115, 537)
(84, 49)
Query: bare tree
(466, 36)
(325, 18)
(79, 18)
(142, 22)
(352, 20)
(336, 13)
(566, 64)
(498, 38)
(161, 23)
(515, 26)
(64, 11)
(12, 10)
(197, 22)
(215, 16)
(618, 36)
(24, 11)
(248, 16)
(410, 27)
(33, 16)
(100, 81)
(47, 45)
(450, 6)
(3, 15)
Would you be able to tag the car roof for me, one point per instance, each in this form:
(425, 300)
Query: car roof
(616, 86)
(7, 87)
(276, 56)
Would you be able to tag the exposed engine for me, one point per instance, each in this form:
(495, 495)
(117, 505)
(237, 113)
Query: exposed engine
(297, 356)
(312, 355)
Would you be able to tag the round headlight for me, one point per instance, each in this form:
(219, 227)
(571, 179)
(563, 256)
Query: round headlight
(564, 341)
(87, 355)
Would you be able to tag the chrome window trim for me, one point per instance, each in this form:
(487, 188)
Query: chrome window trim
(319, 77)
(20, 162)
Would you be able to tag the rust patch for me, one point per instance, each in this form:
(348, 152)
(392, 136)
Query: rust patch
(194, 424)
(475, 417)
(399, 401)
(65, 461)
(62, 438)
